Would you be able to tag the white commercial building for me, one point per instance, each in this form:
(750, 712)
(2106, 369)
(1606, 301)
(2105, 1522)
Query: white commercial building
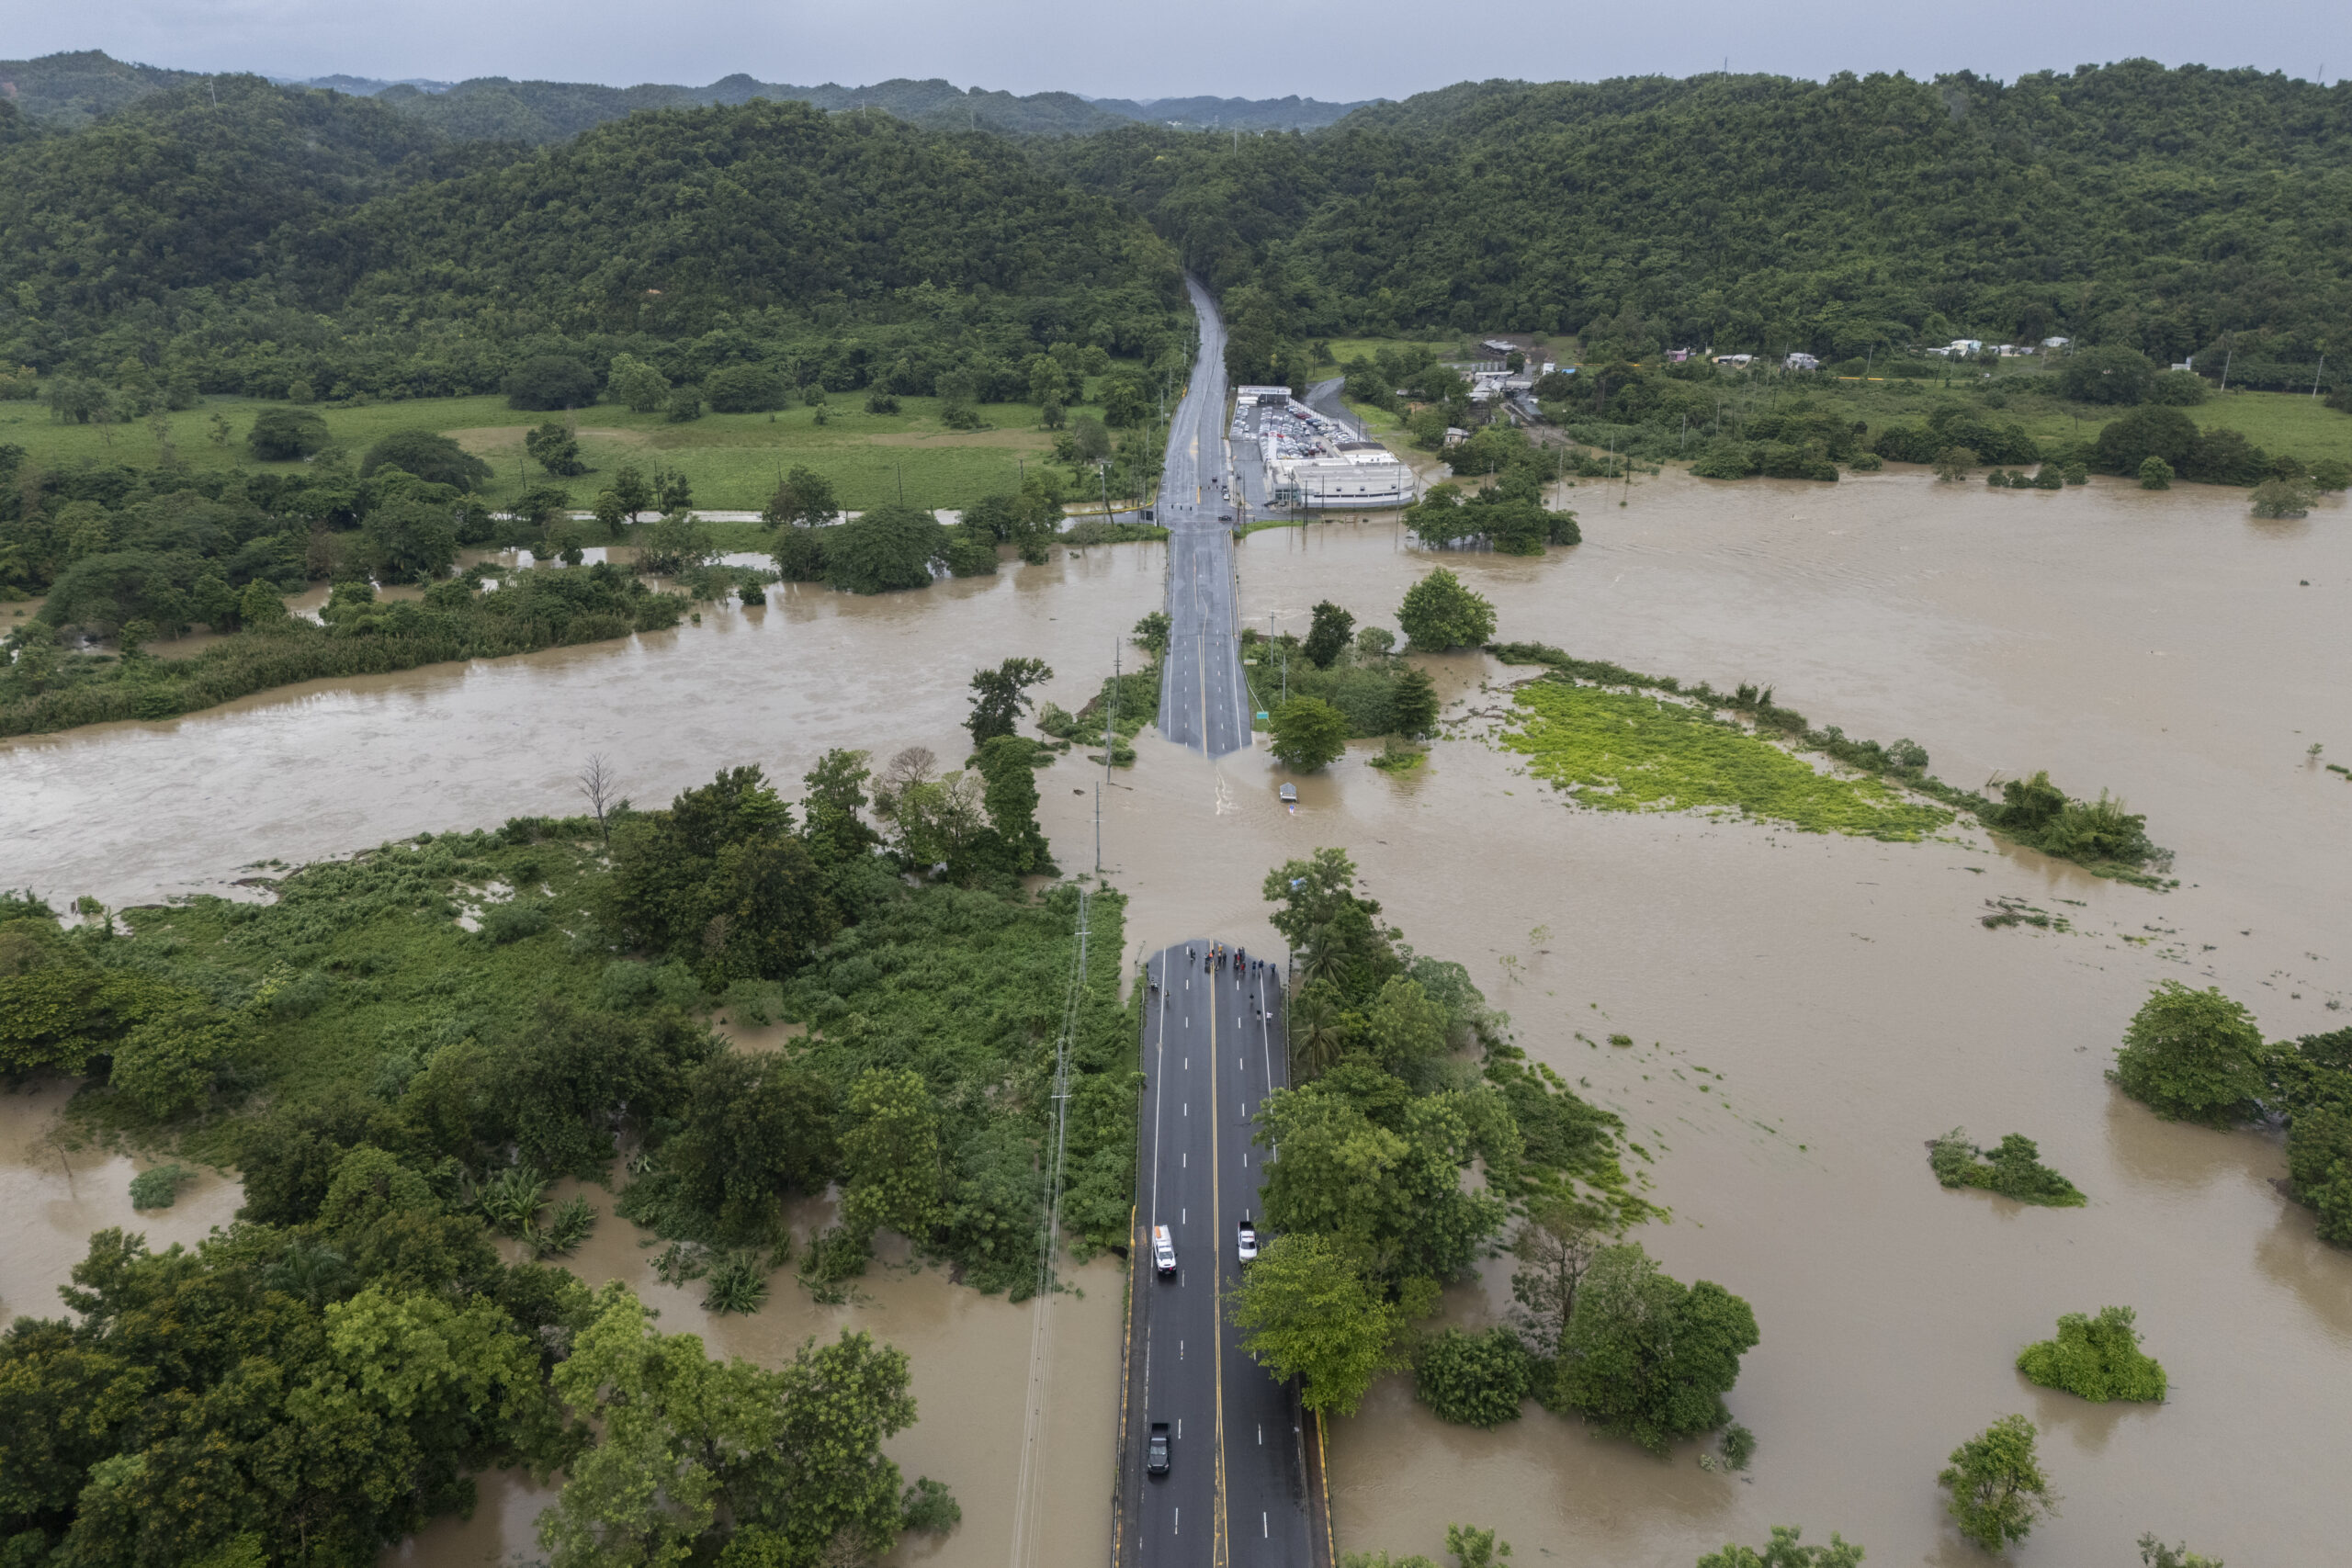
(1358, 474)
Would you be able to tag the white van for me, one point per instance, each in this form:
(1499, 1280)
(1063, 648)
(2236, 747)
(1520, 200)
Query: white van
(1163, 1250)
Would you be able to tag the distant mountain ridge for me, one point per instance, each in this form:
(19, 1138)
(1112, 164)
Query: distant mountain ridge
(70, 90)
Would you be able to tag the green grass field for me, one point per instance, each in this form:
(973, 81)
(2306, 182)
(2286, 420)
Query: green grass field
(734, 460)
(2287, 424)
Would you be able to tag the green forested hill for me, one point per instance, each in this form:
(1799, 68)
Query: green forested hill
(669, 220)
(69, 90)
(186, 187)
(72, 89)
(492, 108)
(2128, 203)
(284, 238)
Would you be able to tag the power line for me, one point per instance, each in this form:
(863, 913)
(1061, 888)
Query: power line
(1029, 1501)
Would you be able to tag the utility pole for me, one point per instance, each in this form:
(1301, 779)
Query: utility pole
(2317, 370)
(2229, 349)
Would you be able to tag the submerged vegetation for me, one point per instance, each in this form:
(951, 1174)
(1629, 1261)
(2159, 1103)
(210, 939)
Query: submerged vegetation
(1617, 752)
(2013, 1170)
(2199, 1056)
(402, 1051)
(2096, 1358)
(1357, 675)
(2071, 829)
(1416, 1134)
(44, 689)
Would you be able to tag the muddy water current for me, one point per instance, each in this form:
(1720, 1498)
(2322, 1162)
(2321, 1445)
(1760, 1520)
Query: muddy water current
(1842, 996)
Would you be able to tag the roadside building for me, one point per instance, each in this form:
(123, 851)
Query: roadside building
(1357, 474)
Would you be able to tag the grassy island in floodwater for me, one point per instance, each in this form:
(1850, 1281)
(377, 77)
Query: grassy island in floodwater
(1623, 752)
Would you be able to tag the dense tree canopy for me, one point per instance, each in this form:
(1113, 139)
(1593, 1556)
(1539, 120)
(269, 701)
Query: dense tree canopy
(292, 238)
(2130, 204)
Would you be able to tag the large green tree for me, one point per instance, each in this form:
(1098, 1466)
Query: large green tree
(1328, 633)
(1305, 1311)
(1648, 1358)
(720, 881)
(1996, 1489)
(429, 456)
(695, 1455)
(1309, 734)
(1000, 696)
(888, 548)
(1439, 614)
(2195, 1055)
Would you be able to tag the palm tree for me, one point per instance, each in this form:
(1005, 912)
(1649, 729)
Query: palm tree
(1315, 1029)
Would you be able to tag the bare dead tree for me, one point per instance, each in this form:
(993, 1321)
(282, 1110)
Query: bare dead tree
(600, 784)
(1557, 1244)
(911, 767)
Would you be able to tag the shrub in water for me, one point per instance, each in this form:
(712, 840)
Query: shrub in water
(1474, 1380)
(2098, 1358)
(566, 1228)
(158, 1188)
(930, 1507)
(2013, 1170)
(739, 1283)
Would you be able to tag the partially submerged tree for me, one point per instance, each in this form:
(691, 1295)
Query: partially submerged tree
(2193, 1056)
(1001, 696)
(1998, 1491)
(1648, 1358)
(1305, 1311)
(1439, 614)
(2096, 1358)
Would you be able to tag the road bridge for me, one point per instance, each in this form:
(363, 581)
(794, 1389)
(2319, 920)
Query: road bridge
(1243, 1485)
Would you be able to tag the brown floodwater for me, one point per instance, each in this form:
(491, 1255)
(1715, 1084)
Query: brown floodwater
(2162, 646)
(970, 1364)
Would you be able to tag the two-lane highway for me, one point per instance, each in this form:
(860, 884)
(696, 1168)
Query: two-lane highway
(1203, 700)
(1235, 1492)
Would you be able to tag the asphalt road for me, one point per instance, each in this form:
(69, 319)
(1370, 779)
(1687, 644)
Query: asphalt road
(1203, 701)
(1235, 1490)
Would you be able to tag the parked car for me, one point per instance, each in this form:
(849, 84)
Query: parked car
(1246, 1242)
(1155, 1458)
(1163, 1251)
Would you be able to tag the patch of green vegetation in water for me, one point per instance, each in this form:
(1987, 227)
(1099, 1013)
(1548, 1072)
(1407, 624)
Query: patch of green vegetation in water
(1622, 753)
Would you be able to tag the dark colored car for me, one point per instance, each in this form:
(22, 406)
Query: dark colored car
(1155, 1458)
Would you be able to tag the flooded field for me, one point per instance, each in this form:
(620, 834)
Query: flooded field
(2164, 646)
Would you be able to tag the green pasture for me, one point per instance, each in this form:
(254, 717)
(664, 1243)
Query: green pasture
(734, 460)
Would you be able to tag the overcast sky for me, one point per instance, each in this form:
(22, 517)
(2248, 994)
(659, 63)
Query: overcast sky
(1118, 48)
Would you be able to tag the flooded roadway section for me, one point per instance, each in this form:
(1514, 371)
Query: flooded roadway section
(2161, 644)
